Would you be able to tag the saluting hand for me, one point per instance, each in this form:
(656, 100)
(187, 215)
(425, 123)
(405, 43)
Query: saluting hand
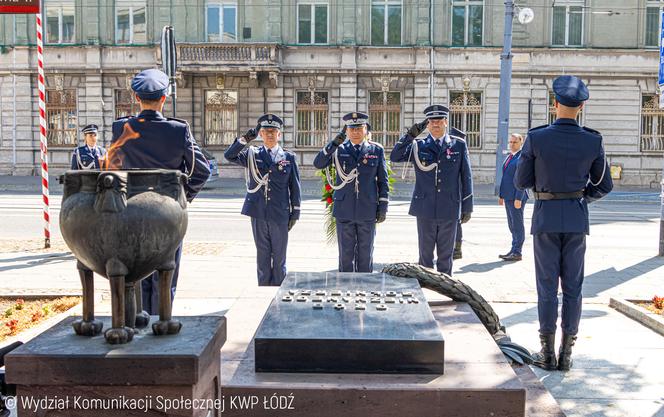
(517, 204)
(252, 133)
(418, 128)
(341, 137)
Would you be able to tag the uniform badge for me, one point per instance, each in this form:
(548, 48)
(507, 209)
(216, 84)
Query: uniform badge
(364, 161)
(281, 168)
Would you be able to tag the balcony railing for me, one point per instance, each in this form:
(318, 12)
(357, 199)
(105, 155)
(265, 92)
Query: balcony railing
(227, 54)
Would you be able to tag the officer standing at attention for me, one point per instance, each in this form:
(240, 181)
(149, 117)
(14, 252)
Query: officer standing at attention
(566, 166)
(361, 191)
(273, 195)
(443, 192)
(88, 155)
(152, 141)
(513, 199)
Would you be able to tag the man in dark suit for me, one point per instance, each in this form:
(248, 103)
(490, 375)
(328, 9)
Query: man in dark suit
(566, 166)
(273, 195)
(152, 141)
(513, 199)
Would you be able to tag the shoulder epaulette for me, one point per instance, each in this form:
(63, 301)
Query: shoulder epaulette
(375, 143)
(125, 117)
(587, 129)
(177, 120)
(538, 127)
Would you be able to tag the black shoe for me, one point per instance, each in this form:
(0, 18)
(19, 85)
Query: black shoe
(546, 358)
(512, 257)
(505, 255)
(565, 353)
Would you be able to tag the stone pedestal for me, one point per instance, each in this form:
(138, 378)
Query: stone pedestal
(61, 374)
(477, 381)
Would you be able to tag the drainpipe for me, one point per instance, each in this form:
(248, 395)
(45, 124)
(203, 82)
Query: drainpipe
(14, 100)
(431, 63)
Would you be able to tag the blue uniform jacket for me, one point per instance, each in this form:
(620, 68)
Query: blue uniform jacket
(283, 198)
(373, 181)
(559, 158)
(507, 189)
(152, 141)
(88, 157)
(453, 194)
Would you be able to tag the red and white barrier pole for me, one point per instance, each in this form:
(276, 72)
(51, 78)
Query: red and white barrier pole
(42, 132)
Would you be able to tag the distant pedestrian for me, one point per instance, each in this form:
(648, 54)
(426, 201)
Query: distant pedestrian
(513, 199)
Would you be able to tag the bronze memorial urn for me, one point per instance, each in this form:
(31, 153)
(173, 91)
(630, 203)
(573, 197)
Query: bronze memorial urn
(124, 225)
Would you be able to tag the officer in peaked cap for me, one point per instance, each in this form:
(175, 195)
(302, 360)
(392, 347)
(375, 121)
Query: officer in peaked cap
(89, 155)
(361, 190)
(566, 167)
(152, 141)
(443, 193)
(273, 195)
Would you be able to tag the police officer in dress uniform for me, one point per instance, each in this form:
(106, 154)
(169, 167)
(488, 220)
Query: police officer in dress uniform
(443, 193)
(88, 155)
(152, 141)
(361, 191)
(273, 195)
(567, 169)
(513, 199)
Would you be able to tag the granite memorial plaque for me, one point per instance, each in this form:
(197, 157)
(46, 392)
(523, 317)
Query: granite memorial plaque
(349, 323)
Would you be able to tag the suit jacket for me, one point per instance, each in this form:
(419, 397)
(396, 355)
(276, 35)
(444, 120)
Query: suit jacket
(508, 190)
(373, 195)
(560, 158)
(282, 201)
(453, 193)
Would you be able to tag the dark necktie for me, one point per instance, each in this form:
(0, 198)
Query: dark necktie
(357, 150)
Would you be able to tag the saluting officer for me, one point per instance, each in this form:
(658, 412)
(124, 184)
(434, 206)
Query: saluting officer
(152, 141)
(566, 166)
(89, 155)
(273, 195)
(443, 193)
(513, 199)
(361, 191)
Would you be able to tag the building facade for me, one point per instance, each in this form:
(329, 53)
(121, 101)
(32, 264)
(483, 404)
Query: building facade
(312, 61)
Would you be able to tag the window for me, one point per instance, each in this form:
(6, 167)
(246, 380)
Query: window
(653, 22)
(130, 21)
(312, 23)
(386, 22)
(125, 103)
(652, 124)
(60, 26)
(220, 117)
(552, 110)
(221, 22)
(61, 117)
(312, 116)
(567, 28)
(466, 115)
(385, 117)
(467, 18)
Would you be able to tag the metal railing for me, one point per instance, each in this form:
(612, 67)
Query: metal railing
(247, 54)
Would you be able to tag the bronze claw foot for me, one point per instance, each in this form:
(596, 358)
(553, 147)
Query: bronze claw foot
(142, 320)
(87, 328)
(119, 335)
(164, 327)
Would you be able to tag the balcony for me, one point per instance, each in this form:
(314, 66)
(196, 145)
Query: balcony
(216, 56)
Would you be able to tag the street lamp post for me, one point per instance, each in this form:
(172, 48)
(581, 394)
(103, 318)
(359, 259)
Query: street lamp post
(505, 85)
